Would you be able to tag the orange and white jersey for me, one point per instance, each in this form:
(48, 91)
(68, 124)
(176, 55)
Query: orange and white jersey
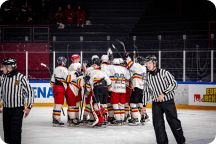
(118, 75)
(137, 73)
(97, 75)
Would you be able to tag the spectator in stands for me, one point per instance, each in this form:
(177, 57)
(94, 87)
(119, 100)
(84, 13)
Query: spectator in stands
(69, 15)
(59, 18)
(22, 12)
(81, 16)
(30, 15)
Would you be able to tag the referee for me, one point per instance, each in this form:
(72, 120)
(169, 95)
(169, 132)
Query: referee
(161, 85)
(13, 90)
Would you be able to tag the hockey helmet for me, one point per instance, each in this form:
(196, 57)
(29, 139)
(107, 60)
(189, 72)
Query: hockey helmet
(116, 61)
(94, 56)
(141, 60)
(104, 58)
(75, 57)
(61, 60)
(151, 58)
(96, 61)
(121, 61)
(10, 61)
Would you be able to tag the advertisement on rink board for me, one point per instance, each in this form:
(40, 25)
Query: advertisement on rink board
(202, 94)
(43, 91)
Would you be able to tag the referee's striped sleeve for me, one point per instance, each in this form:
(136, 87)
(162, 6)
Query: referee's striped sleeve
(170, 81)
(29, 91)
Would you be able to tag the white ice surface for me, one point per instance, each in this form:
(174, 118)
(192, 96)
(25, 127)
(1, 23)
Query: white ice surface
(199, 128)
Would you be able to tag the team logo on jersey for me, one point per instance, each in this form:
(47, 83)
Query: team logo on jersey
(17, 82)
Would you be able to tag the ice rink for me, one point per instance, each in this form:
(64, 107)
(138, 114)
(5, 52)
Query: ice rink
(199, 127)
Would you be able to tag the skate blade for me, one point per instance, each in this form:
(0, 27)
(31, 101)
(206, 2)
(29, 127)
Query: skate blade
(134, 124)
(57, 125)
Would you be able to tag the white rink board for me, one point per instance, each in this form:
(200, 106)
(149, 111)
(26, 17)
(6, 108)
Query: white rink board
(186, 93)
(43, 92)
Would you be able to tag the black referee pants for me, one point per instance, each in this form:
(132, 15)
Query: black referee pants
(12, 124)
(168, 107)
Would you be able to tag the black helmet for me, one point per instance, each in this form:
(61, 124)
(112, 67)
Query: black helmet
(10, 61)
(96, 61)
(61, 60)
(151, 58)
(141, 60)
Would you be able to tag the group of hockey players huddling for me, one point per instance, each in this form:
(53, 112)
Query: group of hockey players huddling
(106, 91)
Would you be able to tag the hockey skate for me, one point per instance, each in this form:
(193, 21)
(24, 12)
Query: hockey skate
(133, 122)
(146, 117)
(142, 120)
(57, 123)
(73, 122)
(117, 123)
(127, 118)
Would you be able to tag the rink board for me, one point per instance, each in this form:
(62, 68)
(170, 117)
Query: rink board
(187, 93)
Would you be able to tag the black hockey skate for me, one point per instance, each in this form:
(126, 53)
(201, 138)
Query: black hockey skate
(146, 117)
(73, 122)
(133, 122)
(117, 123)
(57, 123)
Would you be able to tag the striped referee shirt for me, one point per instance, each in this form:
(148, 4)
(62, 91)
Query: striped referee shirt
(160, 81)
(13, 90)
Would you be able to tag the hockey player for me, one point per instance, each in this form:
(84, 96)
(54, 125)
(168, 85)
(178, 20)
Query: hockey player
(100, 83)
(75, 58)
(136, 100)
(105, 64)
(73, 94)
(118, 75)
(128, 93)
(59, 79)
(144, 116)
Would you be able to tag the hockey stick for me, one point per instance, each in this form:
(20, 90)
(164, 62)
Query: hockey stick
(94, 113)
(44, 65)
(82, 102)
(116, 47)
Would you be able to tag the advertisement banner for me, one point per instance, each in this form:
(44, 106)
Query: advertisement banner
(43, 92)
(202, 94)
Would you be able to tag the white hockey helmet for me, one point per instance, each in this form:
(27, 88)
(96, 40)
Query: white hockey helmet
(104, 58)
(116, 61)
(121, 61)
(94, 56)
(75, 67)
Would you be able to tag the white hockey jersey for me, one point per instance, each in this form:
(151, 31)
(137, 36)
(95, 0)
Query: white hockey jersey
(76, 84)
(75, 67)
(137, 73)
(118, 75)
(61, 76)
(105, 68)
(97, 75)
